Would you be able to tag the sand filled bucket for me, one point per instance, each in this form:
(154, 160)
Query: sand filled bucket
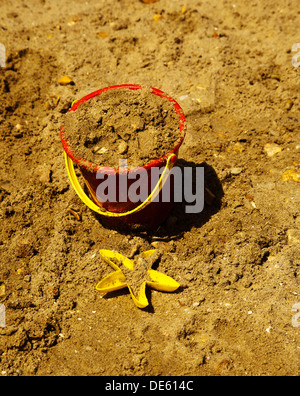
(118, 136)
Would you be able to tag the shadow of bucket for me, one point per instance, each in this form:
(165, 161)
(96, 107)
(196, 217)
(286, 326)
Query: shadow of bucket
(116, 214)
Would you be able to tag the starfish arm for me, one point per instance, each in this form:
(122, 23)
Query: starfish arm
(141, 301)
(114, 281)
(109, 254)
(162, 282)
(148, 253)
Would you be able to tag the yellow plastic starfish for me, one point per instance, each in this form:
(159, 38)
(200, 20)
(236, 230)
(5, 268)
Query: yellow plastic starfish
(135, 274)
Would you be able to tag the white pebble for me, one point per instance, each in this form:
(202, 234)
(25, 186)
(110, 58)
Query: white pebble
(236, 171)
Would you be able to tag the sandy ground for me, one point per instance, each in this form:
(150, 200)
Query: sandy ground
(229, 65)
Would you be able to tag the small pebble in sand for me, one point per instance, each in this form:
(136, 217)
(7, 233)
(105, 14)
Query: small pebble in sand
(65, 80)
(236, 171)
(122, 148)
(272, 149)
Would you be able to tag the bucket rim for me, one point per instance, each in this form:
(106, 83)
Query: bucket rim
(92, 167)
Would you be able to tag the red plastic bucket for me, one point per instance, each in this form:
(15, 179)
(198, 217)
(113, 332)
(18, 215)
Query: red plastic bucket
(118, 213)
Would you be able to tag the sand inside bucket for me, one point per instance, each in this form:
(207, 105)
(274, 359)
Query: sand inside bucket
(135, 125)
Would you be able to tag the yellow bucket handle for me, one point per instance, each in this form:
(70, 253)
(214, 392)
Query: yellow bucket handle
(82, 195)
